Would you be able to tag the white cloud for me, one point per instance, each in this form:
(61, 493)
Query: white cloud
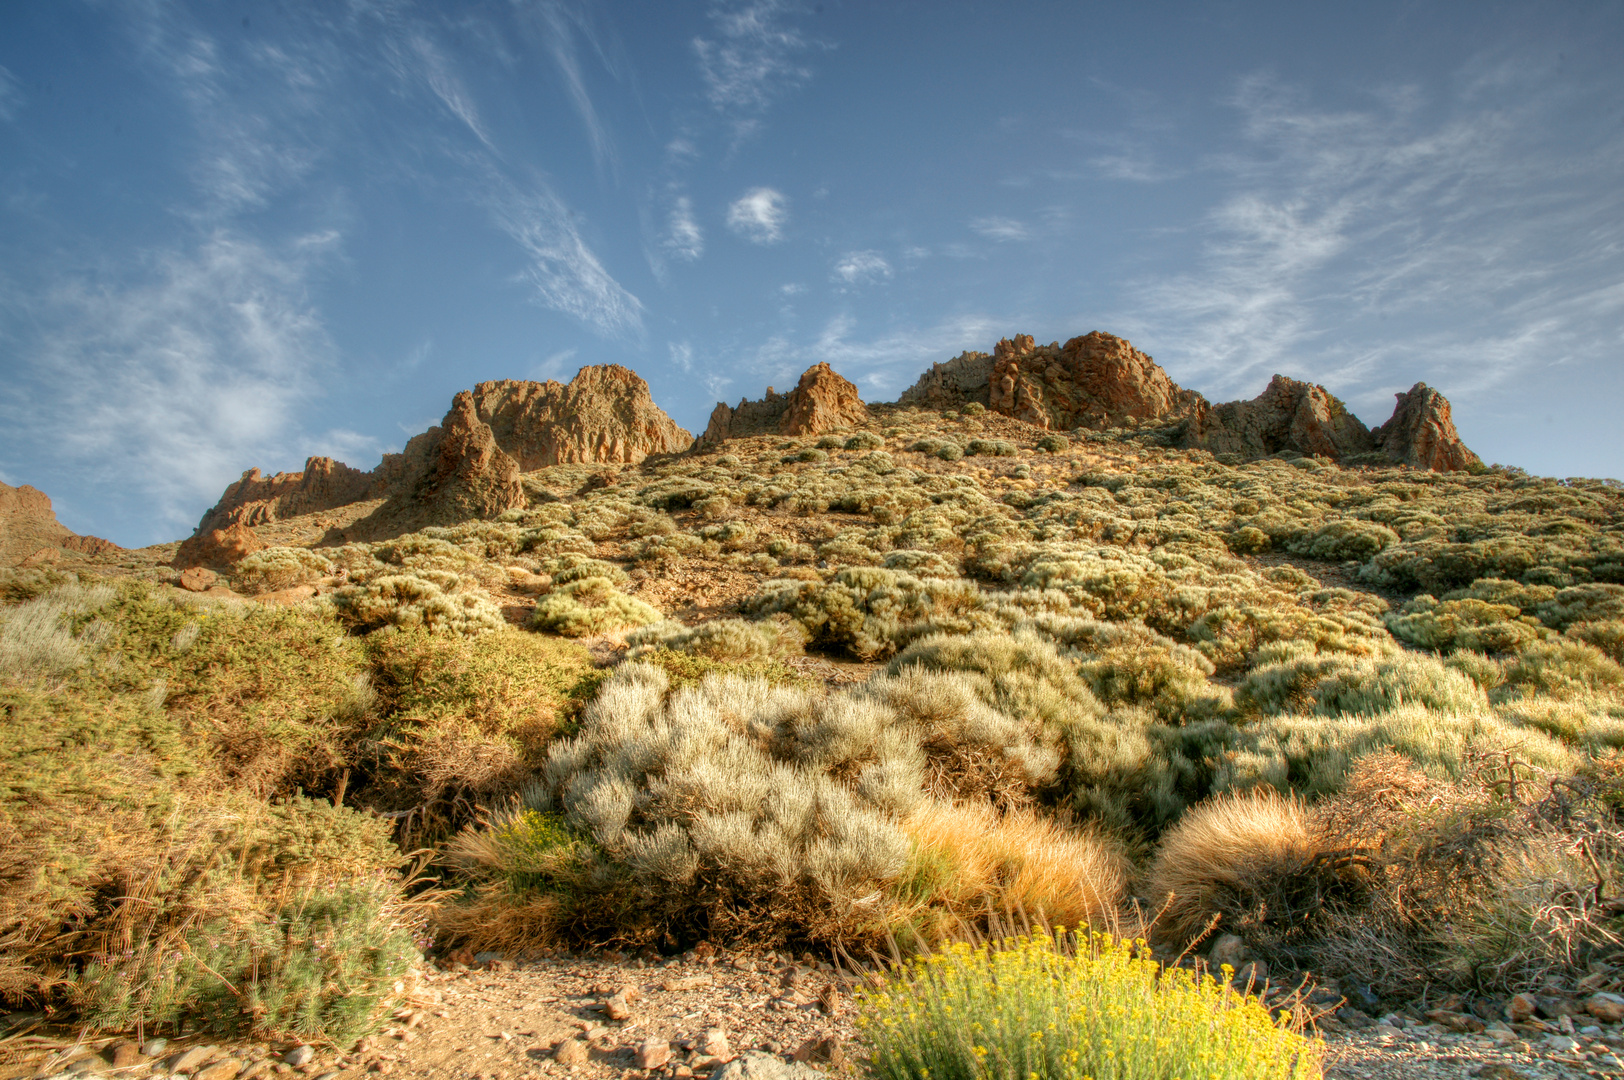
(751, 61)
(684, 239)
(862, 267)
(562, 26)
(682, 354)
(552, 365)
(1000, 228)
(759, 215)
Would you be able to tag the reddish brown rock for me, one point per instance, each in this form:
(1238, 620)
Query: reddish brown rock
(1421, 432)
(27, 523)
(1288, 415)
(90, 545)
(822, 401)
(197, 579)
(217, 548)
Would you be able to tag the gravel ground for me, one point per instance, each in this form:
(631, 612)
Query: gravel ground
(592, 1017)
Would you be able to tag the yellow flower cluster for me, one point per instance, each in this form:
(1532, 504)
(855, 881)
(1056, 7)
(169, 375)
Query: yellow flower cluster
(1072, 1006)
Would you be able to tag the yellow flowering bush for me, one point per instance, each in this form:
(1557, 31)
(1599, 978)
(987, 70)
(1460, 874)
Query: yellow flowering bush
(1074, 1006)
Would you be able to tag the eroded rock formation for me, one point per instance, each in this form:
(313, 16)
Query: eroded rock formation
(952, 385)
(822, 401)
(468, 466)
(217, 549)
(1097, 380)
(28, 527)
(1421, 432)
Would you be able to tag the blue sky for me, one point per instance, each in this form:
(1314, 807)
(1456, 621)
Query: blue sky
(237, 233)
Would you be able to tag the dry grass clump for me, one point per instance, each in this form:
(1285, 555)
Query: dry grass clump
(1238, 858)
(590, 605)
(39, 638)
(967, 855)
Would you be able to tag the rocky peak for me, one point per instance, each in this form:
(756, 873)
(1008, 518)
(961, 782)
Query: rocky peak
(603, 415)
(1421, 432)
(820, 402)
(953, 384)
(1096, 380)
(257, 499)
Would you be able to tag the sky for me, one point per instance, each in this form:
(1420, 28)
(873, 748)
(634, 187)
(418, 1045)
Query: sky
(237, 234)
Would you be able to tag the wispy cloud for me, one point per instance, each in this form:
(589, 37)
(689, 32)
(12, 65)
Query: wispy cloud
(167, 380)
(759, 215)
(683, 239)
(563, 23)
(1000, 228)
(564, 272)
(862, 268)
(1442, 235)
(11, 96)
(751, 61)
(682, 355)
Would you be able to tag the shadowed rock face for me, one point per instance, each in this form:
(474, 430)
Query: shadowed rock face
(1288, 415)
(822, 401)
(1421, 432)
(217, 549)
(28, 527)
(953, 384)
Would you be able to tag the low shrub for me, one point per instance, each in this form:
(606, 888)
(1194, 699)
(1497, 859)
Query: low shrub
(736, 640)
(275, 568)
(1065, 1005)
(590, 605)
(864, 440)
(437, 600)
(990, 448)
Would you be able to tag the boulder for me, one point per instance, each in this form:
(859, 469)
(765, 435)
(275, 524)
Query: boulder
(218, 549)
(1421, 432)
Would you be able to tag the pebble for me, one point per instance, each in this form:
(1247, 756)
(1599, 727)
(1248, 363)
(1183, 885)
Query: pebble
(713, 1043)
(299, 1055)
(224, 1069)
(154, 1047)
(570, 1052)
(124, 1055)
(652, 1053)
(189, 1060)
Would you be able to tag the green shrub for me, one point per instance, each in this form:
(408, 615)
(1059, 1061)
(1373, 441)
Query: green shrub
(990, 448)
(1564, 668)
(436, 600)
(590, 605)
(1069, 1005)
(723, 639)
(864, 440)
(275, 568)
(973, 408)
(813, 455)
(1462, 624)
(1053, 444)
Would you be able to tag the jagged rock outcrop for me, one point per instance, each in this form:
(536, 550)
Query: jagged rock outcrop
(1288, 415)
(217, 549)
(1421, 432)
(603, 415)
(1096, 380)
(953, 384)
(257, 499)
(28, 525)
(469, 465)
(822, 401)
(450, 473)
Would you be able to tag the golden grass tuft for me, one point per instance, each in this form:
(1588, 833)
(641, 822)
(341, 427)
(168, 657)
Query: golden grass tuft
(967, 854)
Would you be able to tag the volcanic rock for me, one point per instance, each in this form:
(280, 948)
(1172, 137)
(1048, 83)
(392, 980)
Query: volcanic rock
(1422, 433)
(217, 549)
(603, 415)
(1288, 415)
(745, 419)
(468, 466)
(822, 401)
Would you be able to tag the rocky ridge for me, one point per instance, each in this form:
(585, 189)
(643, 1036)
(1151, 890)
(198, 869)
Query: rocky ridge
(467, 466)
(1099, 381)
